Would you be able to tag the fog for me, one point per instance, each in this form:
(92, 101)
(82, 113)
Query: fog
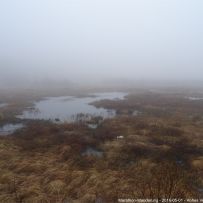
(100, 40)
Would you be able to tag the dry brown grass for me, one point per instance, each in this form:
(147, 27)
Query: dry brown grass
(160, 155)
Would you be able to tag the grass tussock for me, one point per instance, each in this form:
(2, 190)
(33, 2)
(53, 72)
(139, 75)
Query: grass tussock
(156, 154)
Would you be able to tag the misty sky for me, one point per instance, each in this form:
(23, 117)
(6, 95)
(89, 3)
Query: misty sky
(69, 39)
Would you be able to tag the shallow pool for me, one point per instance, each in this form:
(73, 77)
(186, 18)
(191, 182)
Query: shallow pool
(67, 107)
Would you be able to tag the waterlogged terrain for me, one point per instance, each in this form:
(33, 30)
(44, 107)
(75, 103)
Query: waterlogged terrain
(67, 107)
(3, 105)
(92, 152)
(127, 156)
(195, 98)
(8, 129)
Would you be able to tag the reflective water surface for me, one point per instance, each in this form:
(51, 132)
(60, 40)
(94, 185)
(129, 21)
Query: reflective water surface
(3, 105)
(8, 129)
(66, 108)
(195, 98)
(92, 152)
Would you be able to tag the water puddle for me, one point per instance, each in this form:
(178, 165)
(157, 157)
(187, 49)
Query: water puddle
(8, 129)
(195, 98)
(70, 108)
(92, 152)
(3, 105)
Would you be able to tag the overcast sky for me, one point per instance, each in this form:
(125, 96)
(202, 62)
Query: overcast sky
(86, 39)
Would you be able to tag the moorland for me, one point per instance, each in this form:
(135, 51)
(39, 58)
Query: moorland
(152, 148)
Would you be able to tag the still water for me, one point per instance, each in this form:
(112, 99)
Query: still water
(92, 152)
(65, 108)
(8, 129)
(195, 98)
(3, 105)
